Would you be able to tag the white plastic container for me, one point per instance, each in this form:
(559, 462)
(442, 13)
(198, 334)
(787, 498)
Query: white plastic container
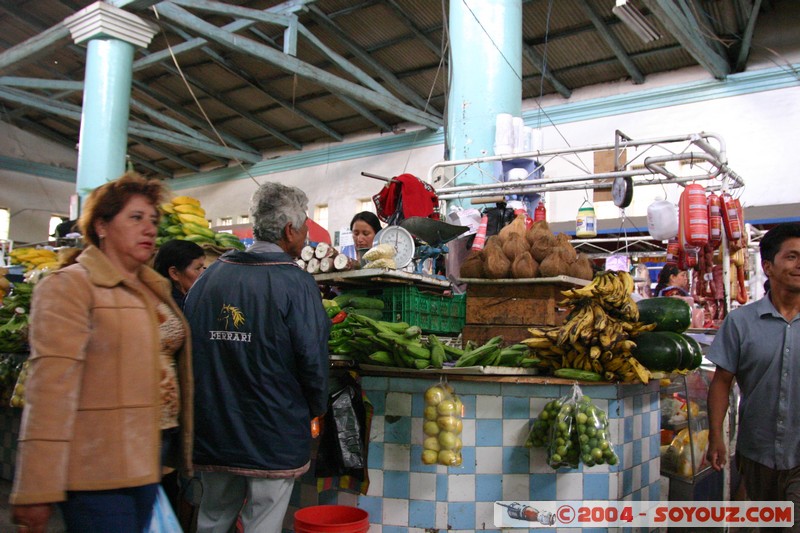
(586, 223)
(662, 220)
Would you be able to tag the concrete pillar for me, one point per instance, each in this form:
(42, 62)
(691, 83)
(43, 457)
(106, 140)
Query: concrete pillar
(486, 69)
(112, 35)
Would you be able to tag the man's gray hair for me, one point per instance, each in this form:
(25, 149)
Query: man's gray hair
(274, 205)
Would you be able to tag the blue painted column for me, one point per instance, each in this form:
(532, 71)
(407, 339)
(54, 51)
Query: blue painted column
(112, 35)
(486, 69)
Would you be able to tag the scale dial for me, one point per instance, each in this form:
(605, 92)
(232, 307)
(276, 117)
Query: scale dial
(402, 241)
(622, 191)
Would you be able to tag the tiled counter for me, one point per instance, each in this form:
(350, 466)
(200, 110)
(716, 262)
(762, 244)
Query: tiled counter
(406, 495)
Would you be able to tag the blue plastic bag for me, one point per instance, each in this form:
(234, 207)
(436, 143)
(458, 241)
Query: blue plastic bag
(163, 519)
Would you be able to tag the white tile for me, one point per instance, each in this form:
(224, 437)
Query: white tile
(398, 404)
(461, 488)
(516, 487)
(598, 469)
(627, 409)
(637, 427)
(488, 459)
(627, 451)
(655, 422)
(600, 404)
(484, 515)
(538, 461)
(569, 487)
(396, 457)
(416, 429)
(515, 431)
(395, 512)
(441, 515)
(614, 482)
(489, 407)
(537, 404)
(375, 528)
(375, 482)
(636, 478)
(376, 432)
(628, 498)
(655, 470)
(468, 432)
(422, 486)
(615, 430)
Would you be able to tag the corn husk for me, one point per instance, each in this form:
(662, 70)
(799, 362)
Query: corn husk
(524, 266)
(514, 245)
(581, 268)
(472, 267)
(496, 265)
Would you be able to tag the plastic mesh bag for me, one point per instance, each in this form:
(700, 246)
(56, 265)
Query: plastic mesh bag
(442, 426)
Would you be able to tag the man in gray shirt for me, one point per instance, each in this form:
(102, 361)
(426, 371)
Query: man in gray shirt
(759, 345)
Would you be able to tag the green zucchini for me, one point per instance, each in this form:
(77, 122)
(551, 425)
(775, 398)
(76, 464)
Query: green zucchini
(662, 350)
(697, 353)
(364, 302)
(666, 312)
(579, 375)
(374, 314)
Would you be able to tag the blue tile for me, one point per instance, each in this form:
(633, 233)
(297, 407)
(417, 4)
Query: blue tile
(378, 401)
(461, 515)
(441, 487)
(469, 405)
(597, 392)
(516, 460)
(476, 387)
(418, 405)
(489, 432)
(394, 529)
(645, 478)
(374, 384)
(628, 430)
(637, 452)
(416, 460)
(654, 491)
(397, 429)
(655, 446)
(627, 482)
(421, 514)
(646, 425)
(488, 487)
(467, 462)
(595, 486)
(375, 455)
(372, 505)
(594, 530)
(515, 407)
(637, 404)
(615, 408)
(637, 496)
(543, 487)
(395, 484)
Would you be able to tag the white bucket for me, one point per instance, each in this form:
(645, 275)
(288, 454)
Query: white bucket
(662, 220)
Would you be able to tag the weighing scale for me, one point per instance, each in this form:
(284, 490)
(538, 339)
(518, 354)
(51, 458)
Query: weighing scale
(433, 233)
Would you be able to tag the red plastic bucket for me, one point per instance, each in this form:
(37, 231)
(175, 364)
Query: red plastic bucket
(331, 519)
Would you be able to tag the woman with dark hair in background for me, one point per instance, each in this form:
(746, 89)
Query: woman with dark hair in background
(181, 262)
(672, 281)
(364, 227)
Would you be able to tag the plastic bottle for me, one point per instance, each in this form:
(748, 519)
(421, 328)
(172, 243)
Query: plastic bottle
(480, 236)
(662, 220)
(586, 223)
(540, 213)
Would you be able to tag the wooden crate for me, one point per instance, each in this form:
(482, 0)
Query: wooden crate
(510, 307)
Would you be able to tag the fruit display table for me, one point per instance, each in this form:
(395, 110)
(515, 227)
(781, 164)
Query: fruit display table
(404, 493)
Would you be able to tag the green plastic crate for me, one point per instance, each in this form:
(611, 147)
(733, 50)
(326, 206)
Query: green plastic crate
(433, 313)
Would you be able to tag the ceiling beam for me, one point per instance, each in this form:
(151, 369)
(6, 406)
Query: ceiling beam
(166, 153)
(684, 31)
(239, 72)
(388, 77)
(539, 64)
(401, 14)
(366, 113)
(301, 68)
(613, 43)
(27, 50)
(747, 38)
(291, 6)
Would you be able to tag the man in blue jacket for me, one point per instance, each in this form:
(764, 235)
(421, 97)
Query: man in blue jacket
(259, 333)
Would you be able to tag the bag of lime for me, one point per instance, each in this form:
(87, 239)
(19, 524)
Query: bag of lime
(573, 429)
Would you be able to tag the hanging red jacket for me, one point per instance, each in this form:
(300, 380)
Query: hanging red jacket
(418, 198)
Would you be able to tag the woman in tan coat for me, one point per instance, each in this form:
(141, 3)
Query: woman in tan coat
(110, 372)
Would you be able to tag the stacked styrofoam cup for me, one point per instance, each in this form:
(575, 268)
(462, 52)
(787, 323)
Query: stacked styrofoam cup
(519, 127)
(526, 139)
(535, 140)
(504, 134)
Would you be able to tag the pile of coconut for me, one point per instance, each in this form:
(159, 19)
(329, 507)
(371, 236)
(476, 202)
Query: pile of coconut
(520, 253)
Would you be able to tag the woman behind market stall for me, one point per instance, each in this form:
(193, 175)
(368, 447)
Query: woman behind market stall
(103, 333)
(181, 262)
(364, 227)
(672, 281)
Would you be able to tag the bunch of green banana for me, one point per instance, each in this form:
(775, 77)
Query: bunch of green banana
(597, 335)
(492, 353)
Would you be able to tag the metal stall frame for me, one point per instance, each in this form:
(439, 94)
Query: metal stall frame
(705, 153)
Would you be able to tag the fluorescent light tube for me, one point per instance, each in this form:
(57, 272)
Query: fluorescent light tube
(635, 21)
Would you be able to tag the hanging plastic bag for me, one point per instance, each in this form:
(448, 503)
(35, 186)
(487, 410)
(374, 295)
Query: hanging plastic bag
(563, 447)
(442, 426)
(343, 444)
(592, 432)
(163, 519)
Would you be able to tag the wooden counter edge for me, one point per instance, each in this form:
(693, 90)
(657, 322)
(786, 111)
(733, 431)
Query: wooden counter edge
(488, 378)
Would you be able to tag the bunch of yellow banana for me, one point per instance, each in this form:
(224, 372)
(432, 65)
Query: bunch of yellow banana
(597, 334)
(5, 285)
(183, 218)
(34, 258)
